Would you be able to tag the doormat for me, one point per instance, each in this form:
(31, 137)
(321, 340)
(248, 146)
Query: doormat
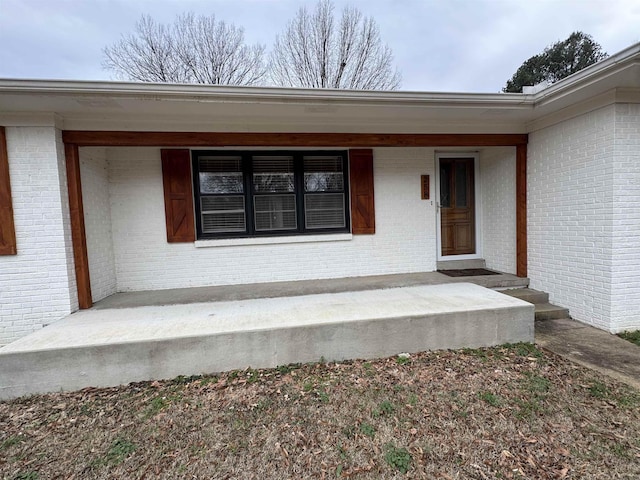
(468, 272)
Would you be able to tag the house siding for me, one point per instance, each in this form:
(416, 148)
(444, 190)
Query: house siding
(37, 286)
(94, 175)
(625, 291)
(498, 195)
(570, 205)
(404, 241)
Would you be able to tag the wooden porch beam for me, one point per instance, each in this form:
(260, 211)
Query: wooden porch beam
(78, 234)
(521, 210)
(8, 245)
(241, 139)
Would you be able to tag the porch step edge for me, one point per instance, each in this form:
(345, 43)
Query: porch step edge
(501, 283)
(548, 311)
(461, 264)
(528, 295)
(543, 309)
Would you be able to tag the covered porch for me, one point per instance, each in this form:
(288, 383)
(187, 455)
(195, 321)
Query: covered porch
(159, 298)
(122, 223)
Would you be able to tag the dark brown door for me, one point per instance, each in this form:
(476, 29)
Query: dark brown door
(457, 209)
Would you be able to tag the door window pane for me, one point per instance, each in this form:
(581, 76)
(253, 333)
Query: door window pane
(461, 184)
(445, 185)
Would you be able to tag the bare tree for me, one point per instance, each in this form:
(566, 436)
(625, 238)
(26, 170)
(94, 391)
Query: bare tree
(149, 55)
(315, 52)
(214, 52)
(194, 49)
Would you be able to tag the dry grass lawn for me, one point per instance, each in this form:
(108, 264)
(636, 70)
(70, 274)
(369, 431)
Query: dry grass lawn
(506, 412)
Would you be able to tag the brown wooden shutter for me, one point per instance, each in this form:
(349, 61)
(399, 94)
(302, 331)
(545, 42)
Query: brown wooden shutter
(178, 196)
(363, 218)
(8, 244)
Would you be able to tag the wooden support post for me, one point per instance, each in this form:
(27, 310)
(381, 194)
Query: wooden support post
(521, 210)
(8, 245)
(78, 234)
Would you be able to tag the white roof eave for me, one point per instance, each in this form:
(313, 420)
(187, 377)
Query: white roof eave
(108, 99)
(189, 92)
(626, 58)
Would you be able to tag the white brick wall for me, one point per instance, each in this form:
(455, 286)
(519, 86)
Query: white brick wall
(584, 225)
(570, 177)
(498, 191)
(97, 217)
(37, 286)
(626, 220)
(404, 239)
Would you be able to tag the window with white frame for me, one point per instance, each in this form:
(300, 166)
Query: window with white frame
(252, 193)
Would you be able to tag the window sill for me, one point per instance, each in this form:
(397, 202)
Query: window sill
(234, 242)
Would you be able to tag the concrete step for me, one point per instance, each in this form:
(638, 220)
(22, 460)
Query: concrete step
(498, 282)
(107, 347)
(528, 295)
(544, 309)
(548, 311)
(461, 264)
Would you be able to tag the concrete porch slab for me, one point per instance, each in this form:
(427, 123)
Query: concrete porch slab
(106, 347)
(248, 291)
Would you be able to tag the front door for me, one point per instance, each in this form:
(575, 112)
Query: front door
(457, 206)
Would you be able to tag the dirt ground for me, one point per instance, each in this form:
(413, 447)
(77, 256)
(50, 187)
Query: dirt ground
(507, 412)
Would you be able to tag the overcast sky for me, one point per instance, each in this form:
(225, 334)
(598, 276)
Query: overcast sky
(439, 45)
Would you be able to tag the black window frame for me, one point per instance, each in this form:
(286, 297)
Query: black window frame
(249, 193)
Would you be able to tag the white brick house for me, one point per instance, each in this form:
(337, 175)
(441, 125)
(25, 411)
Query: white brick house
(548, 185)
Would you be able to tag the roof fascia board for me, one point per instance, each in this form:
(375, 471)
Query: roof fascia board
(627, 58)
(208, 93)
